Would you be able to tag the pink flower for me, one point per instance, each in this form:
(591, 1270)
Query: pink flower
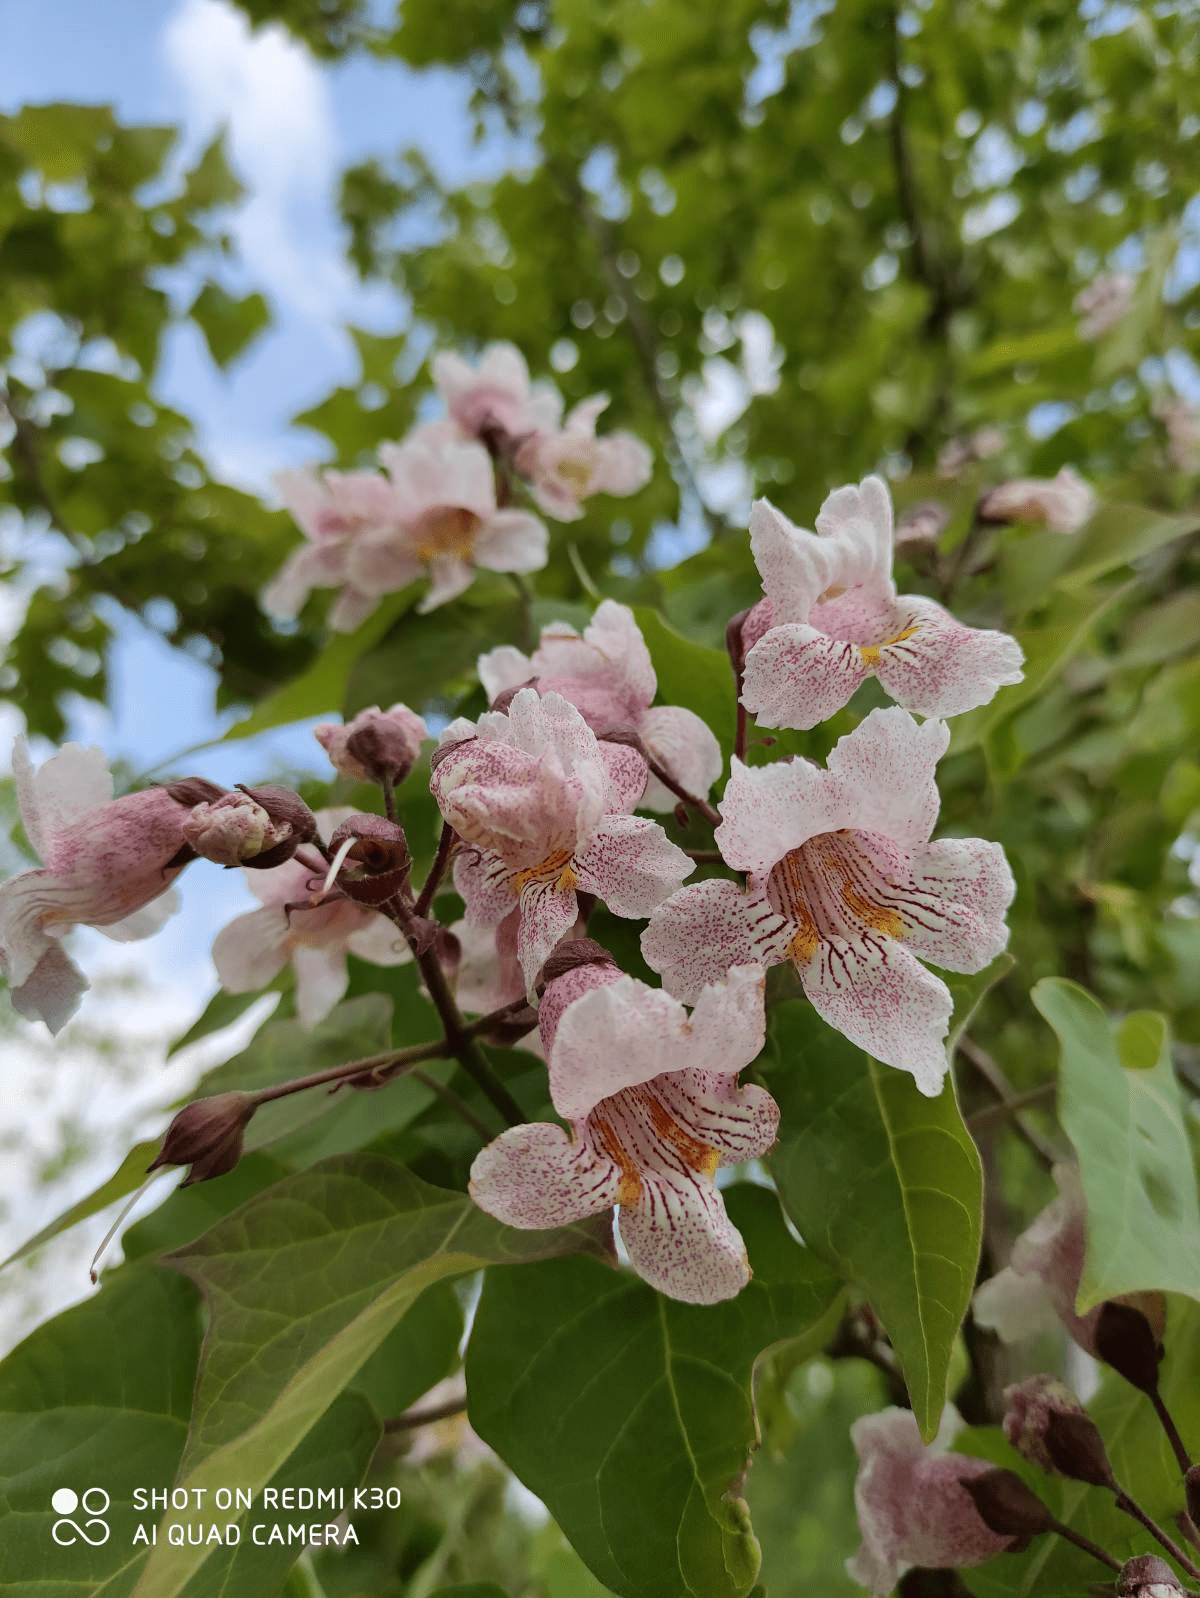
(235, 828)
(377, 743)
(1182, 423)
(960, 452)
(568, 465)
(108, 865)
(654, 1108)
(1105, 302)
(1041, 1280)
(316, 934)
(532, 792)
(1063, 503)
(448, 522)
(844, 883)
(912, 1506)
(608, 676)
(333, 511)
(833, 618)
(496, 397)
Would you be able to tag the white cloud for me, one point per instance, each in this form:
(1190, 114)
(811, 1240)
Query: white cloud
(266, 89)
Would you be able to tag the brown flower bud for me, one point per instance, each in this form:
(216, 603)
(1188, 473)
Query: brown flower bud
(284, 808)
(1127, 1338)
(377, 863)
(734, 646)
(377, 745)
(922, 523)
(506, 696)
(1007, 1506)
(194, 791)
(1047, 1423)
(572, 954)
(444, 751)
(1147, 1576)
(207, 1135)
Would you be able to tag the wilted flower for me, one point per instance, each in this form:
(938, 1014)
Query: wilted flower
(376, 744)
(844, 882)
(832, 618)
(652, 1098)
(913, 1508)
(1045, 1422)
(108, 864)
(207, 1135)
(1104, 302)
(570, 464)
(332, 511)
(315, 931)
(531, 790)
(1063, 503)
(447, 524)
(608, 676)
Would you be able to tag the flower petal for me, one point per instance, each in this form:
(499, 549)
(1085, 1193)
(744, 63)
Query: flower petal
(768, 810)
(548, 912)
(59, 792)
(536, 1177)
(503, 668)
(887, 770)
(379, 941)
(350, 609)
(627, 775)
(143, 923)
(631, 864)
(944, 668)
(614, 1037)
(681, 1241)
(700, 932)
(252, 950)
(512, 541)
(883, 999)
(686, 746)
(960, 926)
(321, 980)
(798, 677)
(740, 1123)
(484, 883)
(449, 575)
(52, 990)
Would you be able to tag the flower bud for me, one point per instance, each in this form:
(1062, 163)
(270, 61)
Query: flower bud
(377, 745)
(575, 968)
(377, 862)
(194, 791)
(506, 696)
(284, 808)
(1007, 1506)
(1147, 1576)
(207, 1135)
(234, 829)
(1047, 1423)
(1128, 1337)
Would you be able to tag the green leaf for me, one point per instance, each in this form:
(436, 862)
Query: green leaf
(471, 1589)
(1119, 1104)
(98, 1397)
(885, 1185)
(688, 674)
(321, 689)
(222, 1010)
(126, 1179)
(228, 324)
(631, 1415)
(303, 1285)
(1120, 534)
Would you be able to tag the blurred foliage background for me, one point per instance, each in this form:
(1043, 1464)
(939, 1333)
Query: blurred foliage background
(795, 243)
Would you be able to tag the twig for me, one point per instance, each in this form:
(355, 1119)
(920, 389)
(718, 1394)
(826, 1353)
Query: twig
(702, 806)
(459, 1105)
(437, 870)
(381, 1067)
(412, 1418)
(1133, 1508)
(705, 857)
(1010, 1104)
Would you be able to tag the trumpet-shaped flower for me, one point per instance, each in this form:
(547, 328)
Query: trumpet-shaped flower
(315, 931)
(832, 618)
(608, 676)
(496, 397)
(448, 523)
(654, 1107)
(844, 882)
(333, 511)
(108, 864)
(531, 791)
(912, 1506)
(568, 465)
(1062, 503)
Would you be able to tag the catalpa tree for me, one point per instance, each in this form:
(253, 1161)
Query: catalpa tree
(733, 1061)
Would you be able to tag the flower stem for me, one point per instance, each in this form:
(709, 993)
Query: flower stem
(1088, 1546)
(437, 870)
(702, 806)
(1132, 1507)
(1168, 1425)
(389, 795)
(459, 1105)
(378, 1067)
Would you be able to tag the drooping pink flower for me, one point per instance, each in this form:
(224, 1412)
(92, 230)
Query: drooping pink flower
(107, 864)
(375, 744)
(1062, 503)
(912, 1507)
(448, 522)
(844, 883)
(332, 510)
(832, 618)
(1104, 302)
(652, 1098)
(608, 676)
(530, 789)
(316, 934)
(570, 464)
(496, 397)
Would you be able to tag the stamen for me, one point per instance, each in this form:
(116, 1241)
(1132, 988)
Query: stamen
(335, 865)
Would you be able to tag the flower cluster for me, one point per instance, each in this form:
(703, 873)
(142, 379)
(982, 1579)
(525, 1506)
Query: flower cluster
(448, 500)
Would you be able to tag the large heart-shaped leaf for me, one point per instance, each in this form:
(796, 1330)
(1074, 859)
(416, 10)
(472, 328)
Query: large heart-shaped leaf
(631, 1415)
(1119, 1104)
(885, 1184)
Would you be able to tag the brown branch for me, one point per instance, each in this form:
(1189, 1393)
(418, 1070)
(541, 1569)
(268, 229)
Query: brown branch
(1010, 1103)
(412, 1418)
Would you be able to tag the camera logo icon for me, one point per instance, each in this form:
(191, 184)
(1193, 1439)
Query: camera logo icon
(93, 1505)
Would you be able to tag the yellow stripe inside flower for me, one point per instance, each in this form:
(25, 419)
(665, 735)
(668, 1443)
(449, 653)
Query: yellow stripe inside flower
(870, 652)
(555, 868)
